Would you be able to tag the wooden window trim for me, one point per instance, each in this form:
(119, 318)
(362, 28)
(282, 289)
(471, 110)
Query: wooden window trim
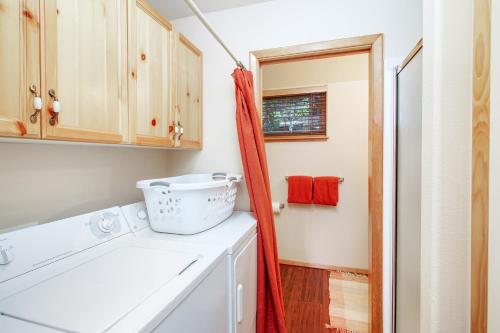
(296, 138)
(295, 91)
(298, 91)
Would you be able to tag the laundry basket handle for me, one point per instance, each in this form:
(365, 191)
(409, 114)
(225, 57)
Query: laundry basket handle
(164, 184)
(231, 179)
(219, 175)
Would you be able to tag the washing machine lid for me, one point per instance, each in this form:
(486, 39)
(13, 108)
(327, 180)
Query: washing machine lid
(95, 295)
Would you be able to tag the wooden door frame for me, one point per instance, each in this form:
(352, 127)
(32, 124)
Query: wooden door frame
(372, 44)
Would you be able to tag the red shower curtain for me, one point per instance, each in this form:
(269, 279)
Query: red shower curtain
(270, 309)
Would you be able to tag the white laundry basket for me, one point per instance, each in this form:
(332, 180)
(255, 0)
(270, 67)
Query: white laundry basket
(191, 203)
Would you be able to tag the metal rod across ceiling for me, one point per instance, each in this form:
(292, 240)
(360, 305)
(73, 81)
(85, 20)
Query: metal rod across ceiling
(209, 27)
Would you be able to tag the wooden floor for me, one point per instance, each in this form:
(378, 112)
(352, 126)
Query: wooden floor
(306, 297)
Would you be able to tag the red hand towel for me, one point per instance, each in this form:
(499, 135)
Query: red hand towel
(300, 189)
(326, 191)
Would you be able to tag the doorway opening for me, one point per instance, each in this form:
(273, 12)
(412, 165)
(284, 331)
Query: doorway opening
(293, 138)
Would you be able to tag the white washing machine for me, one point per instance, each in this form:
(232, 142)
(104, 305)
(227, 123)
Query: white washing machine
(91, 274)
(238, 236)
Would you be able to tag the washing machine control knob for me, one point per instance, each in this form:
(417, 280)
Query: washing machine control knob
(106, 224)
(5, 255)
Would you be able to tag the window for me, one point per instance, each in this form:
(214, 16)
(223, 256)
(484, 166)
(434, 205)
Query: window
(294, 114)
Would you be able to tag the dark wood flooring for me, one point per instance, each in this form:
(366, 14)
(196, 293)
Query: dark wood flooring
(306, 298)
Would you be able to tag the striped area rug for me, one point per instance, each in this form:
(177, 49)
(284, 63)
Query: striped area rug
(348, 303)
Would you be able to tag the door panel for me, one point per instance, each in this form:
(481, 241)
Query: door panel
(409, 148)
(20, 67)
(189, 93)
(86, 68)
(151, 100)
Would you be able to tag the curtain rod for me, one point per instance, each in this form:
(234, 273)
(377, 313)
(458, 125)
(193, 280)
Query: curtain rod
(207, 25)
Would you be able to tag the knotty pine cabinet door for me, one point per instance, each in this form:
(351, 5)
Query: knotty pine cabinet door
(150, 75)
(19, 67)
(86, 71)
(188, 111)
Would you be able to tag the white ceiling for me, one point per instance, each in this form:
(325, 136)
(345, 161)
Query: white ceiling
(174, 9)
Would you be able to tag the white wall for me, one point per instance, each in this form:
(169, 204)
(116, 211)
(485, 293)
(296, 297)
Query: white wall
(318, 234)
(46, 182)
(494, 227)
(447, 103)
(290, 22)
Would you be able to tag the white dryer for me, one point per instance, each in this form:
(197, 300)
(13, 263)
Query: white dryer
(238, 236)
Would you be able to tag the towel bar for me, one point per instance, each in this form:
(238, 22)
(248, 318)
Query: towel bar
(341, 179)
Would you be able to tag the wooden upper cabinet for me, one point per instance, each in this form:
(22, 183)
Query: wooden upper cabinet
(150, 75)
(188, 103)
(86, 70)
(19, 67)
(111, 71)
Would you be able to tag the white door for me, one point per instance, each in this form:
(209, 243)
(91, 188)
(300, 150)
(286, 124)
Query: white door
(409, 147)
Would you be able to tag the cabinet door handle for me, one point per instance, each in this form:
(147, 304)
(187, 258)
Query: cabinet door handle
(37, 104)
(56, 108)
(181, 129)
(239, 303)
(174, 129)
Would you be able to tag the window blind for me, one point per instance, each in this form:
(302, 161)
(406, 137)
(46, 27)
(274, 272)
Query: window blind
(297, 114)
